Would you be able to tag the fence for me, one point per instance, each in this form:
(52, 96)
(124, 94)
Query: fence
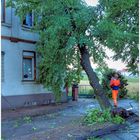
(84, 91)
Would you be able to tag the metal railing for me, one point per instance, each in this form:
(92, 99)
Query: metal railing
(86, 91)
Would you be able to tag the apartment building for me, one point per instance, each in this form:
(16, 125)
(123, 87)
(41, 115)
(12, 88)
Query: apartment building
(19, 63)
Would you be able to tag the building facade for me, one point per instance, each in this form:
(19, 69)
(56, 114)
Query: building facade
(19, 63)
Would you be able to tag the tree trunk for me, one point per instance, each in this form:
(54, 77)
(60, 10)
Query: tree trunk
(93, 79)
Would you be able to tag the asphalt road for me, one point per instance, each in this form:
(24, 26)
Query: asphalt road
(24, 126)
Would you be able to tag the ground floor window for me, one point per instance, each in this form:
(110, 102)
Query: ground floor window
(2, 10)
(29, 65)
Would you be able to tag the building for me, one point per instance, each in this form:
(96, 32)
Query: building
(19, 63)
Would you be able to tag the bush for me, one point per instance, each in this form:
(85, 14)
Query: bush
(96, 116)
(117, 119)
(105, 81)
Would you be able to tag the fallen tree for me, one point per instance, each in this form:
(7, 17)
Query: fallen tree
(71, 32)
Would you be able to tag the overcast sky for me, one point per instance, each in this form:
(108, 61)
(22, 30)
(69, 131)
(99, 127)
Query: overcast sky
(111, 64)
(92, 2)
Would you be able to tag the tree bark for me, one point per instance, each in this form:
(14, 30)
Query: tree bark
(93, 79)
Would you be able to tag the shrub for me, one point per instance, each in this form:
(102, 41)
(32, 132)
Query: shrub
(117, 119)
(105, 81)
(96, 116)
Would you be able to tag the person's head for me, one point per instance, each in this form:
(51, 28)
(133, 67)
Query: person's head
(116, 75)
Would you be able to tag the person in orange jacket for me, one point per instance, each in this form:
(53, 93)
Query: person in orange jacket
(115, 84)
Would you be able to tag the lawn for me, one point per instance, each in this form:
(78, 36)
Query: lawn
(133, 80)
(133, 88)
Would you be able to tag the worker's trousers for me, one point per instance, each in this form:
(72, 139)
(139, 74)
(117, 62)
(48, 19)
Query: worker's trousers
(114, 96)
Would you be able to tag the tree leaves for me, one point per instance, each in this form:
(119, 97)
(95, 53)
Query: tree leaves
(64, 24)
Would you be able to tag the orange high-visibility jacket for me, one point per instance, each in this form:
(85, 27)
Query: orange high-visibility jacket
(115, 83)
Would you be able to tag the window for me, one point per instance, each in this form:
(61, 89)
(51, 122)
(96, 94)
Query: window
(2, 10)
(29, 65)
(2, 66)
(28, 21)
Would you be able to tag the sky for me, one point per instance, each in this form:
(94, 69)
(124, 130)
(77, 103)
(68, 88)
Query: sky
(92, 2)
(119, 65)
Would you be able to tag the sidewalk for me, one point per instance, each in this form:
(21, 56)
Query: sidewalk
(35, 110)
(62, 122)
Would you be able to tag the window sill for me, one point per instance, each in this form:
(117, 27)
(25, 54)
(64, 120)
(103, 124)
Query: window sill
(6, 24)
(26, 28)
(34, 81)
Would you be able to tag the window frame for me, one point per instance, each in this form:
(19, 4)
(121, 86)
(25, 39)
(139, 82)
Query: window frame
(34, 66)
(2, 66)
(26, 26)
(3, 12)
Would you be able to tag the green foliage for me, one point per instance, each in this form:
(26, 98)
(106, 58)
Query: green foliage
(105, 81)
(96, 116)
(118, 30)
(27, 119)
(118, 120)
(62, 25)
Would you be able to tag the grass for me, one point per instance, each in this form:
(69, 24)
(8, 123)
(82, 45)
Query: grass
(133, 88)
(133, 80)
(85, 78)
(84, 82)
(85, 90)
